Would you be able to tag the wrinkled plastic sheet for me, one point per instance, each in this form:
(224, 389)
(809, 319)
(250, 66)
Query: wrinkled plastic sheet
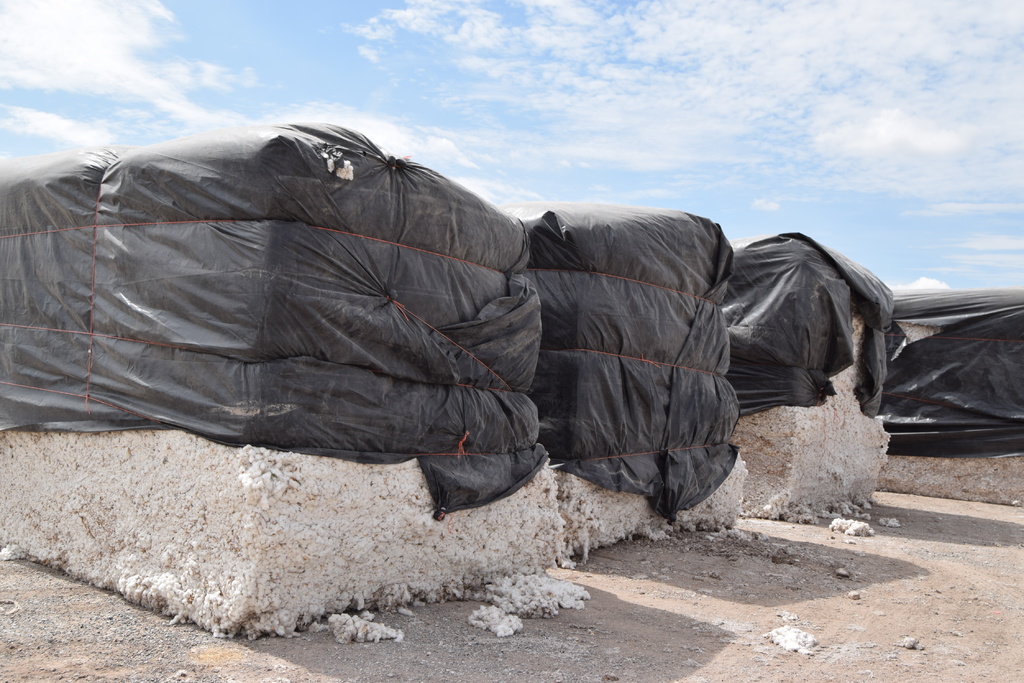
(788, 310)
(960, 391)
(293, 287)
(630, 384)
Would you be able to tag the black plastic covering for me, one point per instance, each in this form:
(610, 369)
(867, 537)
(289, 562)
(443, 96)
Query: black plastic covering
(791, 324)
(960, 391)
(289, 286)
(630, 384)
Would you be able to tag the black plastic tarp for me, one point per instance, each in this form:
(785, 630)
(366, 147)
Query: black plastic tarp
(289, 286)
(630, 384)
(790, 322)
(960, 391)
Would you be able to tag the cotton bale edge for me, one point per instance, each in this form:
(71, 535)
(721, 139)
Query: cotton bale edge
(251, 540)
(954, 401)
(808, 462)
(595, 517)
(290, 286)
(632, 400)
(806, 328)
(291, 291)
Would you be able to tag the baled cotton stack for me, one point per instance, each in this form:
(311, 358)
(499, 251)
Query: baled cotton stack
(292, 287)
(807, 345)
(954, 395)
(254, 541)
(286, 287)
(630, 384)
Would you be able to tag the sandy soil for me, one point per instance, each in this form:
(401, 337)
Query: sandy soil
(695, 607)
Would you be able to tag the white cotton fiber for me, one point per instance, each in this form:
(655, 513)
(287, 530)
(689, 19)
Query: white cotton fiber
(7, 555)
(803, 463)
(349, 628)
(986, 480)
(793, 639)
(915, 333)
(12, 552)
(851, 527)
(531, 596)
(250, 540)
(492, 619)
(595, 517)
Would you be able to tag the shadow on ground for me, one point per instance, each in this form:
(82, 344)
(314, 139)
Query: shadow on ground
(609, 640)
(765, 570)
(927, 525)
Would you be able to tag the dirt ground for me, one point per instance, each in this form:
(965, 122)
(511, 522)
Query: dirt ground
(694, 608)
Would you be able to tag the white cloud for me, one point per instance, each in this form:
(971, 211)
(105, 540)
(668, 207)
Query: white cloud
(54, 127)
(997, 259)
(375, 29)
(480, 29)
(98, 48)
(1009, 262)
(634, 196)
(188, 75)
(428, 145)
(369, 54)
(765, 205)
(919, 97)
(993, 243)
(968, 209)
(921, 283)
(496, 191)
(893, 133)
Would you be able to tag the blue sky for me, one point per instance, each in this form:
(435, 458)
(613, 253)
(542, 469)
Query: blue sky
(892, 131)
